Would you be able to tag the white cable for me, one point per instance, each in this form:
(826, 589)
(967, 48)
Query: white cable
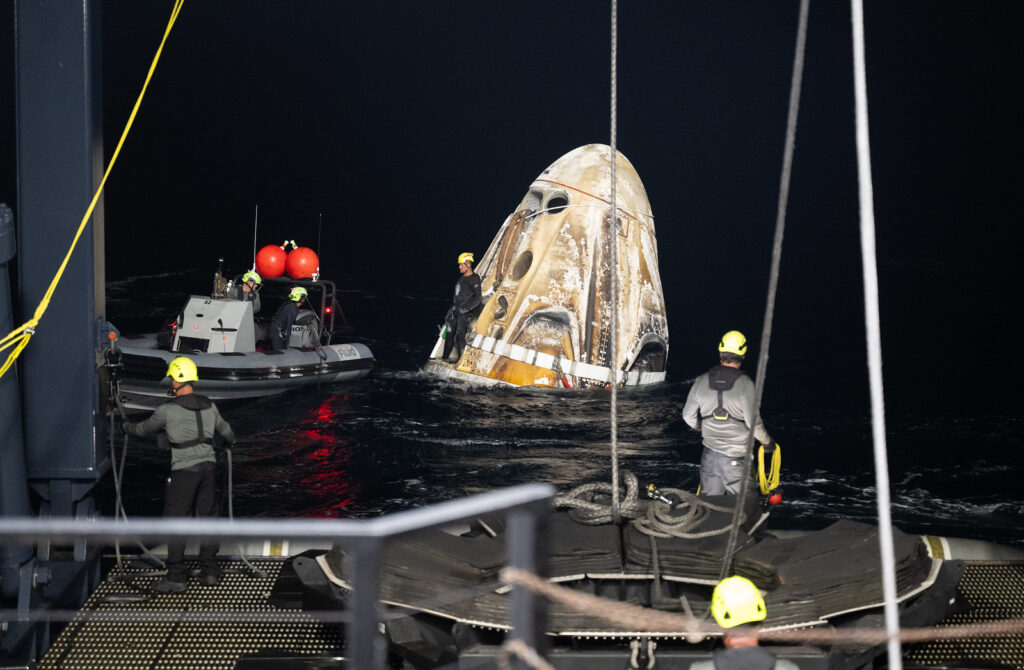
(874, 337)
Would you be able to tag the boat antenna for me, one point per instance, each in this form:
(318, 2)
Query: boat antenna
(319, 226)
(255, 227)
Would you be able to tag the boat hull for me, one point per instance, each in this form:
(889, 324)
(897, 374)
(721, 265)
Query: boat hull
(142, 383)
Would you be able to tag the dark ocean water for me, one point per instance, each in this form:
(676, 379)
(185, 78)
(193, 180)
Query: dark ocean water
(400, 439)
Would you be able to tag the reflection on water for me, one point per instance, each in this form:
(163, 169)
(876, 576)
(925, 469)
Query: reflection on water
(400, 439)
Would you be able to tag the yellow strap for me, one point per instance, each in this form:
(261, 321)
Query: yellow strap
(19, 337)
(770, 482)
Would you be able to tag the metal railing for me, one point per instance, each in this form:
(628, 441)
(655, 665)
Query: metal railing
(526, 507)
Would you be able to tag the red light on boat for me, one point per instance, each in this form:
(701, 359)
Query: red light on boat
(327, 310)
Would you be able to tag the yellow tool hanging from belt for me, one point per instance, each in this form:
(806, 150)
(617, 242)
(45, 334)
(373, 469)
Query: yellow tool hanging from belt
(769, 482)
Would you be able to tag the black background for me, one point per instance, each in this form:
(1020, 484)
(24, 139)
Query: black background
(414, 128)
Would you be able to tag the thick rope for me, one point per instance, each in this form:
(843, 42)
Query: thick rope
(643, 619)
(524, 652)
(614, 270)
(874, 334)
(586, 511)
(652, 518)
(660, 522)
(773, 280)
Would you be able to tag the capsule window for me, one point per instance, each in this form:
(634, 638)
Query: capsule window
(522, 265)
(557, 203)
(533, 200)
(502, 309)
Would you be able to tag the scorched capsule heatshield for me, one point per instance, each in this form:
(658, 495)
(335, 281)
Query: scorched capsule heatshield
(546, 319)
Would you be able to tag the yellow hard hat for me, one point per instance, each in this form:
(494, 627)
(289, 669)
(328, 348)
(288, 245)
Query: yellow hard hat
(466, 257)
(182, 369)
(733, 342)
(737, 601)
(297, 294)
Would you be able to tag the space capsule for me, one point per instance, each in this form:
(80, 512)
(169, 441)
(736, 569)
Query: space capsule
(548, 302)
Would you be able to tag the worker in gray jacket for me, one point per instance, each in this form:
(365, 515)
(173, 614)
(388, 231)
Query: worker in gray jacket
(248, 289)
(721, 406)
(190, 421)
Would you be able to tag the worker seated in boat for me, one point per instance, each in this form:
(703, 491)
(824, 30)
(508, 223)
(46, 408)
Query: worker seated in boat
(284, 318)
(736, 603)
(248, 289)
(721, 406)
(189, 421)
(465, 306)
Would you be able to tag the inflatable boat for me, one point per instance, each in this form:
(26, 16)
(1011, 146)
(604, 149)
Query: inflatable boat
(232, 351)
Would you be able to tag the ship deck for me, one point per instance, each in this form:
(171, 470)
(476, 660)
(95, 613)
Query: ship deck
(122, 626)
(237, 624)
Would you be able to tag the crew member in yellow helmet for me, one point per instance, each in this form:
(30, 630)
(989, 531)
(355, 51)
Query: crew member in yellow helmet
(281, 325)
(190, 421)
(466, 305)
(735, 604)
(248, 289)
(721, 406)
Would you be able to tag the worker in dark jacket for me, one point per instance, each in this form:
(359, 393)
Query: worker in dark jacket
(281, 326)
(465, 305)
(248, 289)
(190, 421)
(721, 406)
(736, 603)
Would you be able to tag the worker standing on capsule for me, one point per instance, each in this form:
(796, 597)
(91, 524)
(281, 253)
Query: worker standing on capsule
(465, 304)
(546, 285)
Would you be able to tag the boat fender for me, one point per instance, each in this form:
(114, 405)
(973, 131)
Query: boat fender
(722, 378)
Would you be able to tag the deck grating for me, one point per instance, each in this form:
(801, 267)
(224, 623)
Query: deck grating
(207, 627)
(994, 591)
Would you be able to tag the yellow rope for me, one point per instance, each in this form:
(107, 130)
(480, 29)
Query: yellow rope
(769, 482)
(19, 337)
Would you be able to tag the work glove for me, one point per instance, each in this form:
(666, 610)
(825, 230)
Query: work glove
(129, 428)
(769, 449)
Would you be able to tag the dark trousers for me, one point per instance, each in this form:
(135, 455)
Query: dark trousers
(457, 337)
(189, 491)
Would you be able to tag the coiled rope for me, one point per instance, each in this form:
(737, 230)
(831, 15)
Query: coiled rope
(589, 504)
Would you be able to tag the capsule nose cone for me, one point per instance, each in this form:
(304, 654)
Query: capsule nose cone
(588, 169)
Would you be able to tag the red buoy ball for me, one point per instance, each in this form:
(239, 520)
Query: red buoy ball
(775, 498)
(270, 261)
(302, 263)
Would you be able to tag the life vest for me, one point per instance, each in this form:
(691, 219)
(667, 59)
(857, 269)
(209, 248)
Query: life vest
(722, 378)
(202, 439)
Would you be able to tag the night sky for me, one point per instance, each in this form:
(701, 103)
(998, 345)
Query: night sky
(414, 128)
